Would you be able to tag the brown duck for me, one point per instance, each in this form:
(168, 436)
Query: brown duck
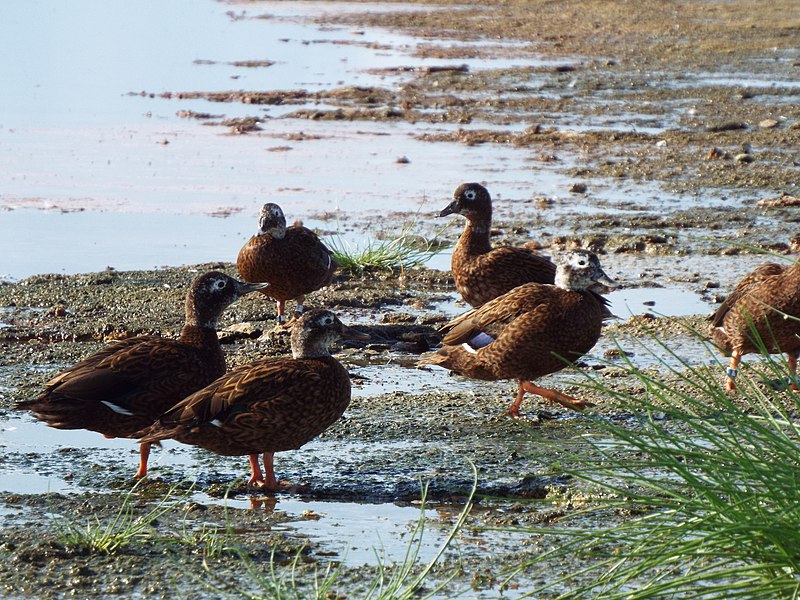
(758, 304)
(481, 272)
(292, 260)
(127, 385)
(268, 406)
(533, 330)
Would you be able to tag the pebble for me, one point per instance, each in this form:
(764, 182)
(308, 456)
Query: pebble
(744, 158)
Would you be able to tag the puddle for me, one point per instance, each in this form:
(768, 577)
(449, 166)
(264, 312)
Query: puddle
(674, 302)
(352, 532)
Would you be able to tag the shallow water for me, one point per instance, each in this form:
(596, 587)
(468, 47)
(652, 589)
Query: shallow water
(73, 138)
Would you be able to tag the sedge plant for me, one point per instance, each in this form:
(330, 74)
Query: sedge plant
(712, 480)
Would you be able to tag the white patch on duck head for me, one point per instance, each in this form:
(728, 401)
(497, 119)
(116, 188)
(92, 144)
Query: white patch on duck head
(579, 270)
(272, 221)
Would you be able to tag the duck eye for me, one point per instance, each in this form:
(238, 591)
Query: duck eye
(470, 194)
(581, 263)
(327, 321)
(221, 284)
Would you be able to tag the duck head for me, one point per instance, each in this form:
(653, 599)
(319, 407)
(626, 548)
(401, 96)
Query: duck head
(469, 199)
(271, 221)
(580, 270)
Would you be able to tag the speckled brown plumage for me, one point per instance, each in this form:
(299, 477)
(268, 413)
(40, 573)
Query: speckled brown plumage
(759, 303)
(531, 331)
(481, 272)
(270, 405)
(127, 385)
(292, 260)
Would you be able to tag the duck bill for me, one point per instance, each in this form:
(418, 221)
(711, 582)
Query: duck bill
(348, 333)
(243, 288)
(450, 209)
(605, 280)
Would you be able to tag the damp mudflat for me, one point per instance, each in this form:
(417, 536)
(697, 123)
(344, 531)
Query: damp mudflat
(135, 156)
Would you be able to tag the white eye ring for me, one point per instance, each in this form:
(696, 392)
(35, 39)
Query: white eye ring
(221, 284)
(470, 194)
(327, 321)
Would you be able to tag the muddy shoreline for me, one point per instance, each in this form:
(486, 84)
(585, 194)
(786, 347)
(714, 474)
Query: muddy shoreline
(648, 82)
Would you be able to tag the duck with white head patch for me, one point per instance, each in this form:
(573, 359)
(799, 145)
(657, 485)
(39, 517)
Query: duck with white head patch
(292, 260)
(531, 331)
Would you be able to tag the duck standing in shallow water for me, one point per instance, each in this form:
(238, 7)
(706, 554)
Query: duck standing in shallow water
(764, 305)
(127, 385)
(481, 272)
(270, 405)
(533, 330)
(292, 260)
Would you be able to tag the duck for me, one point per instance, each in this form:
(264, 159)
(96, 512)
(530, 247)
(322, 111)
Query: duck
(292, 260)
(128, 384)
(531, 331)
(268, 406)
(481, 272)
(762, 311)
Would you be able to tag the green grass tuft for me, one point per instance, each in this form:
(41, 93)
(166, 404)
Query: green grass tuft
(713, 479)
(106, 537)
(402, 252)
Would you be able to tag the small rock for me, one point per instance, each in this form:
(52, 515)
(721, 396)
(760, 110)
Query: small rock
(744, 158)
(403, 160)
(768, 123)
(578, 188)
(239, 331)
(727, 126)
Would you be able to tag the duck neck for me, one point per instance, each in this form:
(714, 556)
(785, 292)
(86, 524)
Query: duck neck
(475, 238)
(309, 351)
(197, 335)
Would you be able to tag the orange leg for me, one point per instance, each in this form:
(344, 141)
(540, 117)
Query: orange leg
(732, 371)
(256, 476)
(548, 394)
(144, 455)
(266, 480)
(791, 358)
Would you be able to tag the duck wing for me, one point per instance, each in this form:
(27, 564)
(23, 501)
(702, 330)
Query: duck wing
(751, 280)
(240, 393)
(494, 317)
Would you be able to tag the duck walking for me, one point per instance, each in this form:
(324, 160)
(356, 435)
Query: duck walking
(481, 272)
(765, 306)
(533, 330)
(292, 260)
(268, 406)
(127, 385)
